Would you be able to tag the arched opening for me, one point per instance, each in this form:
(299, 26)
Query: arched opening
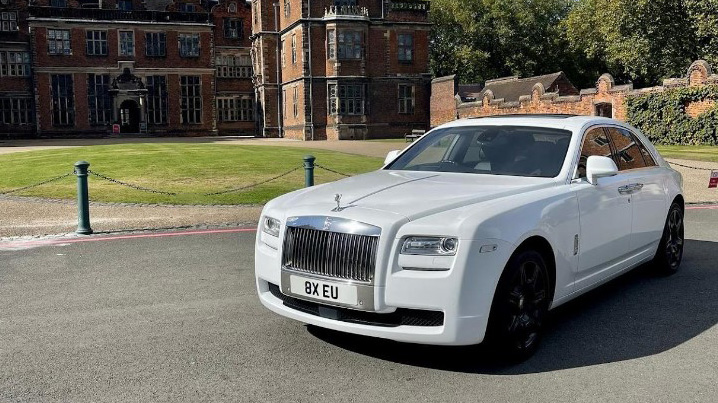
(604, 109)
(129, 117)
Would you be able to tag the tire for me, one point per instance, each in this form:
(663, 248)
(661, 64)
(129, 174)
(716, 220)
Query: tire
(519, 307)
(670, 249)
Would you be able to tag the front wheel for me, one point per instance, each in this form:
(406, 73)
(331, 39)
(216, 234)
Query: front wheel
(670, 249)
(519, 307)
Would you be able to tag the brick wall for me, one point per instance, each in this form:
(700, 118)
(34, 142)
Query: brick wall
(446, 105)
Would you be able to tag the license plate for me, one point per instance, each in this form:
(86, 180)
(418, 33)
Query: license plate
(323, 290)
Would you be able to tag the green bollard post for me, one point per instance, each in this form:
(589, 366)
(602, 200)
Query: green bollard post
(309, 170)
(83, 199)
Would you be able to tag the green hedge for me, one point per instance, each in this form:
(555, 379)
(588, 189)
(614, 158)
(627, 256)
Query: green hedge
(662, 117)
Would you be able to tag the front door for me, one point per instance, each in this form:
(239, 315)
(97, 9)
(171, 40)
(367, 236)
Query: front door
(605, 216)
(129, 117)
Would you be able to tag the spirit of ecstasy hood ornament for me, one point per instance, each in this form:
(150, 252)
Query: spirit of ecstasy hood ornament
(338, 199)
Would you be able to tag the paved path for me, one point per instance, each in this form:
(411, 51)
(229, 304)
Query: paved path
(171, 317)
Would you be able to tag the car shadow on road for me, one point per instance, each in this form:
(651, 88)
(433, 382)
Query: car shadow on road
(636, 315)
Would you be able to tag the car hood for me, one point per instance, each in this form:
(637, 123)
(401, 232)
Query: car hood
(411, 194)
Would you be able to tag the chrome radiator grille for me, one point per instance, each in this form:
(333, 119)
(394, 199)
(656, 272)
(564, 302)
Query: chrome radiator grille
(331, 254)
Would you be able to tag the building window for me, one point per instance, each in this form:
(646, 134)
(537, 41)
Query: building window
(284, 102)
(331, 44)
(233, 28)
(295, 99)
(8, 21)
(96, 43)
(281, 54)
(406, 99)
(191, 93)
(58, 3)
(98, 98)
(189, 45)
(346, 99)
(156, 100)
(234, 109)
(349, 45)
(294, 49)
(16, 111)
(127, 43)
(63, 103)
(234, 66)
(155, 44)
(15, 64)
(185, 8)
(124, 5)
(287, 7)
(406, 48)
(58, 42)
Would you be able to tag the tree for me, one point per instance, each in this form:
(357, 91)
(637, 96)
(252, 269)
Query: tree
(704, 15)
(638, 40)
(483, 39)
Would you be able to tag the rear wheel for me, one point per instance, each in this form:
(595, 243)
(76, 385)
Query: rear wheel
(520, 305)
(670, 249)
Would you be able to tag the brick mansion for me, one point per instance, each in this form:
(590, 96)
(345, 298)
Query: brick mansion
(312, 70)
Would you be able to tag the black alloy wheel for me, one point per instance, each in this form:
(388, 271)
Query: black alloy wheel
(520, 305)
(670, 250)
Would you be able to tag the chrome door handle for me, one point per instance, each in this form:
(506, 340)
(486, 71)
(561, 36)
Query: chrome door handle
(625, 189)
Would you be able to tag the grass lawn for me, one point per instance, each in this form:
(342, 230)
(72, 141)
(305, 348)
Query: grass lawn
(697, 153)
(175, 167)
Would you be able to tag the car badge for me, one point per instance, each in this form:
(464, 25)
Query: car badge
(327, 223)
(338, 199)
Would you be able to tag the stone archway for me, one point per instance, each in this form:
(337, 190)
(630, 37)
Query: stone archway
(129, 102)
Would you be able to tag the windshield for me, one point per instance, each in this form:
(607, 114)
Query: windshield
(495, 150)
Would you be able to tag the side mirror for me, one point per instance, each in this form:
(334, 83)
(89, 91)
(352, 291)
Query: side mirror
(391, 156)
(599, 167)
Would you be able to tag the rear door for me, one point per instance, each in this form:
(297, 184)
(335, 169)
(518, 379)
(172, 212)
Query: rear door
(605, 215)
(645, 182)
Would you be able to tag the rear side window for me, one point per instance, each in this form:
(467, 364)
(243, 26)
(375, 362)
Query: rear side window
(595, 142)
(627, 152)
(647, 157)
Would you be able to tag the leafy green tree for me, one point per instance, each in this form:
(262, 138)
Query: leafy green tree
(638, 40)
(704, 15)
(484, 39)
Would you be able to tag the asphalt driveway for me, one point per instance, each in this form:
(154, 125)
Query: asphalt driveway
(174, 317)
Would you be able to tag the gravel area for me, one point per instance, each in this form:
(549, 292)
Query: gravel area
(30, 216)
(695, 181)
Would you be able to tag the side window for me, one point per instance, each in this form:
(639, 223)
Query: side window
(627, 152)
(647, 157)
(595, 142)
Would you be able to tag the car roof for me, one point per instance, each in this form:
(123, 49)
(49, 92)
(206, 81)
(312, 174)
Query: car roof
(555, 121)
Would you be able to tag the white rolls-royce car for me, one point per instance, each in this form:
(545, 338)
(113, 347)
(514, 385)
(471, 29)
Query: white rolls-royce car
(473, 232)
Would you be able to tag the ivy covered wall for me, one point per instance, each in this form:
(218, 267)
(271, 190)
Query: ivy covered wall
(687, 115)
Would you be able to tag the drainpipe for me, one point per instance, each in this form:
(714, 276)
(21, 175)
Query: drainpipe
(279, 66)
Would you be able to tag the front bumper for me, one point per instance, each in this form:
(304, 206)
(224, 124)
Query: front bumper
(462, 295)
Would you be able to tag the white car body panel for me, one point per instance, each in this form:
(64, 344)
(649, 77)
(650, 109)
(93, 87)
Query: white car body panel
(616, 232)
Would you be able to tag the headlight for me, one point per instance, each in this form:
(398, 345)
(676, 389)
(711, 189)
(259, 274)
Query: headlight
(423, 245)
(271, 226)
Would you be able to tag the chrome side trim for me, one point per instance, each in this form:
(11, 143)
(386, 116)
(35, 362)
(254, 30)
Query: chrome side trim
(334, 224)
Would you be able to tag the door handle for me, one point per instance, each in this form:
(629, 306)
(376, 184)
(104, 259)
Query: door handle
(625, 189)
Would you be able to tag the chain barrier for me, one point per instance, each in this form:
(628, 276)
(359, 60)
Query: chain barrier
(57, 178)
(331, 170)
(252, 185)
(130, 185)
(688, 166)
